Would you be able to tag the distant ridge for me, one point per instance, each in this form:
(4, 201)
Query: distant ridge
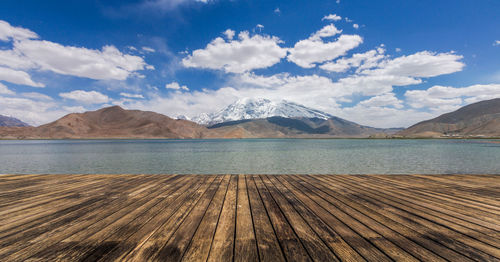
(112, 122)
(298, 127)
(481, 119)
(11, 121)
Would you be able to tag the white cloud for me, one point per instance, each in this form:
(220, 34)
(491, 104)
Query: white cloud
(5, 91)
(30, 111)
(29, 53)
(8, 32)
(361, 61)
(306, 53)
(383, 117)
(332, 17)
(106, 64)
(86, 97)
(131, 95)
(237, 56)
(17, 77)
(398, 49)
(277, 10)
(36, 96)
(148, 49)
(437, 97)
(496, 43)
(388, 99)
(326, 31)
(176, 86)
(356, 26)
(421, 64)
(371, 85)
(229, 34)
(75, 109)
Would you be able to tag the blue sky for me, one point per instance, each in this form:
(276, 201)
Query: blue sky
(379, 63)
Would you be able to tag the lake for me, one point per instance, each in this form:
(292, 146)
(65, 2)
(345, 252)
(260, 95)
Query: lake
(251, 156)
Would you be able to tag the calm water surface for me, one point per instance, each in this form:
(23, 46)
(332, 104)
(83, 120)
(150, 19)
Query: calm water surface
(251, 156)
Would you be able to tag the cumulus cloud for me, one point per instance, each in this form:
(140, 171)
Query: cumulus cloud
(106, 64)
(388, 99)
(496, 43)
(229, 34)
(8, 32)
(361, 61)
(355, 26)
(306, 53)
(438, 97)
(383, 116)
(239, 55)
(5, 91)
(326, 31)
(86, 97)
(332, 17)
(421, 64)
(30, 53)
(30, 111)
(176, 86)
(17, 77)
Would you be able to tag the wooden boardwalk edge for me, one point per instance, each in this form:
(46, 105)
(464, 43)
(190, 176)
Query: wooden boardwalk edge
(249, 217)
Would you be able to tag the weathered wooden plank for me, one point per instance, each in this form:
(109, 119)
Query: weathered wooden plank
(384, 244)
(152, 247)
(317, 249)
(267, 243)
(146, 228)
(245, 245)
(223, 242)
(460, 223)
(427, 225)
(289, 241)
(328, 235)
(200, 245)
(249, 218)
(356, 241)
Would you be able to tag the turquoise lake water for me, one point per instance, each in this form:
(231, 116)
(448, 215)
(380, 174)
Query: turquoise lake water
(250, 156)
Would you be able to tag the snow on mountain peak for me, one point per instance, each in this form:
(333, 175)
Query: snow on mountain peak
(253, 108)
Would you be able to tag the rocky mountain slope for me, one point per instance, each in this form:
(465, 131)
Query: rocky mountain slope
(252, 108)
(481, 119)
(11, 121)
(299, 127)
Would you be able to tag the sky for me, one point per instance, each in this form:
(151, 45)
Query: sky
(387, 63)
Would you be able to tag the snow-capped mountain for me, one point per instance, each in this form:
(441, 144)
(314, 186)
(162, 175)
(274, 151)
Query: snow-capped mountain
(252, 108)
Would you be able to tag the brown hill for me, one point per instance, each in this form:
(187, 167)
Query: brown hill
(110, 122)
(481, 119)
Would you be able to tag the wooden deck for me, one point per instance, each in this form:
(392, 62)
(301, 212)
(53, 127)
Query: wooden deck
(249, 217)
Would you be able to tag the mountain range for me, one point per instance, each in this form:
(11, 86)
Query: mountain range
(259, 108)
(254, 118)
(11, 121)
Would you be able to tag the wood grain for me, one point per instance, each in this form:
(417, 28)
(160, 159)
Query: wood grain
(249, 217)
